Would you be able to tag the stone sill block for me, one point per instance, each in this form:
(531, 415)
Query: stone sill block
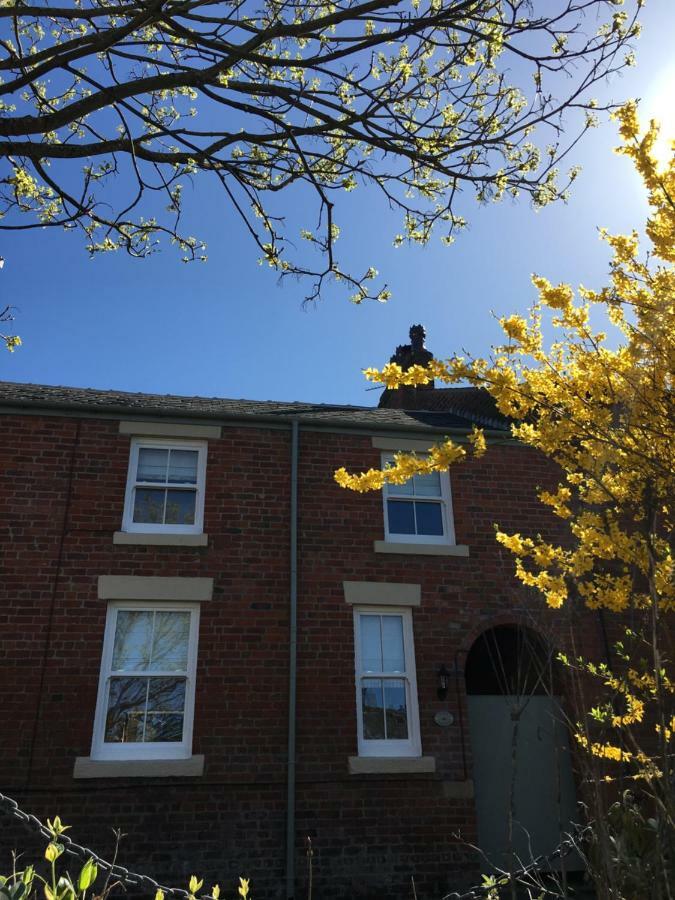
(391, 765)
(421, 549)
(161, 540)
(85, 767)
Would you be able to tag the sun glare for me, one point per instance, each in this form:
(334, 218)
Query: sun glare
(659, 104)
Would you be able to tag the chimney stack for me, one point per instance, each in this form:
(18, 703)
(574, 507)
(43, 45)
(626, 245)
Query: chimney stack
(408, 355)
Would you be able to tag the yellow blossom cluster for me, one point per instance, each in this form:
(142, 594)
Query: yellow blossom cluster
(647, 682)
(604, 751)
(12, 341)
(635, 708)
(660, 182)
(667, 730)
(405, 465)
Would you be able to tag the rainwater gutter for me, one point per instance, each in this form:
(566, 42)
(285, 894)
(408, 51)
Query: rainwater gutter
(292, 668)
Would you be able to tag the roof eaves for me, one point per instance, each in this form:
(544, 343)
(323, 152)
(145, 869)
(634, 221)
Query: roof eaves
(57, 400)
(323, 422)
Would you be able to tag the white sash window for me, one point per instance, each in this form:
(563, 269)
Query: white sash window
(386, 685)
(165, 487)
(146, 693)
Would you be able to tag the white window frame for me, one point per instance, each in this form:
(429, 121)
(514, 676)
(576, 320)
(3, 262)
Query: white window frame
(412, 747)
(137, 443)
(445, 500)
(100, 749)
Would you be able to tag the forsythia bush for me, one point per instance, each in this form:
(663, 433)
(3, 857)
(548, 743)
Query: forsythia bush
(599, 401)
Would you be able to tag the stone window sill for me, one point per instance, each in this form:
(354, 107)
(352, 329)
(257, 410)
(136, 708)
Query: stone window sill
(161, 540)
(85, 767)
(421, 549)
(391, 765)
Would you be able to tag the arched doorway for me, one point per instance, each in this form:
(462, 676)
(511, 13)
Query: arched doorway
(524, 787)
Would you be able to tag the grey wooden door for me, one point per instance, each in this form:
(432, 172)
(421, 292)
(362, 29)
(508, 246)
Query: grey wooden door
(544, 799)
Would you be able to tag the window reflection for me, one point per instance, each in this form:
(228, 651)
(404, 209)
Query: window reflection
(143, 708)
(159, 506)
(385, 714)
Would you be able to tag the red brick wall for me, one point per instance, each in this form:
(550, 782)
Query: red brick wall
(61, 500)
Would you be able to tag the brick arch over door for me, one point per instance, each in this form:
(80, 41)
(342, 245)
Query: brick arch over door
(511, 659)
(524, 786)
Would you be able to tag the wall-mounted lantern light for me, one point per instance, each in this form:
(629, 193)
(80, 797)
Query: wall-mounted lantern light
(443, 683)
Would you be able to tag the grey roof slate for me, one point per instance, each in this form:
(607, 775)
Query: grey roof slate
(90, 400)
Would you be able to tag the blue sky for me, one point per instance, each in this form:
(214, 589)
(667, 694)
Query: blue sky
(226, 328)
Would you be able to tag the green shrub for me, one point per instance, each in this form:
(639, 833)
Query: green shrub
(29, 884)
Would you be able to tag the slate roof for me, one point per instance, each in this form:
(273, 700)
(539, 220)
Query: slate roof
(88, 400)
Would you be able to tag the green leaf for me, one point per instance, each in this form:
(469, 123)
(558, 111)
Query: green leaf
(13, 891)
(87, 875)
(65, 889)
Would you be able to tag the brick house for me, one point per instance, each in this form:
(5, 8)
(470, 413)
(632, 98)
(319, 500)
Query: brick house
(211, 646)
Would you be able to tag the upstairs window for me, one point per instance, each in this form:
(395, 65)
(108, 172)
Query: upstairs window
(165, 487)
(386, 685)
(419, 511)
(147, 687)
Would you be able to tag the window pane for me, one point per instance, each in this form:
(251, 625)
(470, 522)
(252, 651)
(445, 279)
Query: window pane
(401, 517)
(133, 641)
(170, 642)
(180, 508)
(397, 489)
(145, 710)
(373, 709)
(126, 710)
(396, 712)
(429, 518)
(405, 489)
(183, 467)
(371, 644)
(166, 703)
(149, 506)
(166, 695)
(152, 464)
(164, 727)
(427, 485)
(392, 644)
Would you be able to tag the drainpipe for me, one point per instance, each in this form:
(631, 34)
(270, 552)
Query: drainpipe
(292, 668)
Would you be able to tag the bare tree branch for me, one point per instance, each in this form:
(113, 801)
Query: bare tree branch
(421, 98)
